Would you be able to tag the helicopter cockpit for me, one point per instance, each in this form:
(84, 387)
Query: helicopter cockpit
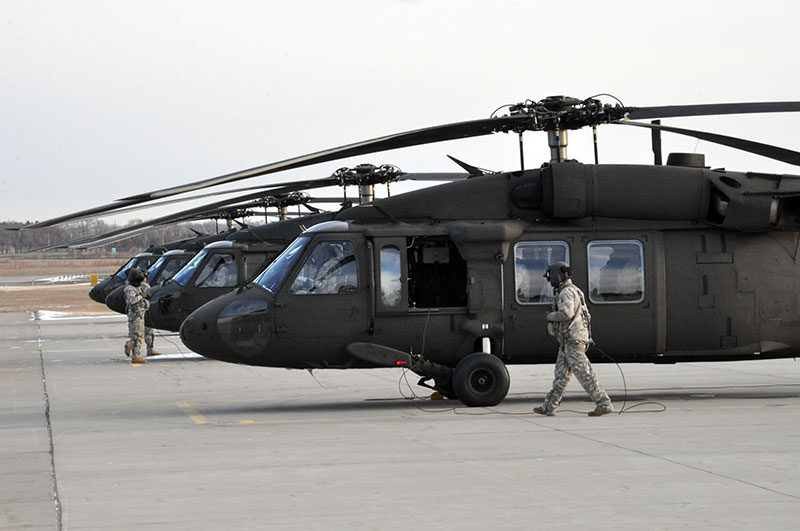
(100, 292)
(167, 266)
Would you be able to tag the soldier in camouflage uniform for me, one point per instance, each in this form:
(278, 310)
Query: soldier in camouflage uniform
(570, 324)
(136, 299)
(149, 335)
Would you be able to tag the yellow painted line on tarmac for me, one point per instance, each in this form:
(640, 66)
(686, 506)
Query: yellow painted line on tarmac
(196, 417)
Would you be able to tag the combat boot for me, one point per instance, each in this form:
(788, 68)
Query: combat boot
(543, 411)
(600, 411)
(153, 353)
(137, 361)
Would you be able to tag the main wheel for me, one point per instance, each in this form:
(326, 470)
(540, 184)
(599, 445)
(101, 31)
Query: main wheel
(481, 379)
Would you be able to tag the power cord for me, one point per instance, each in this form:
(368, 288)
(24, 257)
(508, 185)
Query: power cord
(624, 409)
(457, 409)
(180, 350)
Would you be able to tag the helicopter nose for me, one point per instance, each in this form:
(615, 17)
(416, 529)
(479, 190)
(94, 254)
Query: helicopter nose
(166, 307)
(116, 300)
(235, 328)
(97, 293)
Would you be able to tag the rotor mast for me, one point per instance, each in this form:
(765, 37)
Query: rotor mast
(557, 140)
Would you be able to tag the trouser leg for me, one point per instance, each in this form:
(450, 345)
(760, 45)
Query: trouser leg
(149, 337)
(575, 354)
(562, 377)
(136, 334)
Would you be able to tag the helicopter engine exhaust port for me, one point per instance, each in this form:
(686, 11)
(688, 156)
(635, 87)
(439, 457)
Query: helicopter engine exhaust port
(481, 380)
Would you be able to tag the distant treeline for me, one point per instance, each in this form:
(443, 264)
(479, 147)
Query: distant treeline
(12, 241)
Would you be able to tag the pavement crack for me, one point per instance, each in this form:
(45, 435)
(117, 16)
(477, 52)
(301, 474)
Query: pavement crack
(53, 478)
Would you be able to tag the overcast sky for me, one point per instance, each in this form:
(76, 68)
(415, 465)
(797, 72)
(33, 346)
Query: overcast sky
(101, 100)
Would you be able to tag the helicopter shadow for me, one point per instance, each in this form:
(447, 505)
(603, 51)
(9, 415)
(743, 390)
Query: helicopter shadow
(514, 402)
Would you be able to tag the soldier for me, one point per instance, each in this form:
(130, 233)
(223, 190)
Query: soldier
(136, 299)
(149, 335)
(570, 324)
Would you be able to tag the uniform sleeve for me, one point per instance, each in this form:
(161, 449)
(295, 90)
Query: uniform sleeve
(567, 305)
(128, 295)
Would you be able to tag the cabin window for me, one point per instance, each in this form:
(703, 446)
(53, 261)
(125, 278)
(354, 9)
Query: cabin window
(530, 263)
(330, 268)
(219, 272)
(391, 273)
(437, 274)
(616, 271)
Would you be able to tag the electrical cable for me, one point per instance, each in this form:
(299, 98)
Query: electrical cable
(162, 336)
(623, 409)
(456, 409)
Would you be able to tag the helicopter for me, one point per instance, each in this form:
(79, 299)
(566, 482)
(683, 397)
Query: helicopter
(680, 262)
(103, 289)
(161, 271)
(161, 262)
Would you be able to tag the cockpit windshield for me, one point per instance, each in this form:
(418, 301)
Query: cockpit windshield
(154, 269)
(183, 276)
(161, 271)
(273, 276)
(123, 272)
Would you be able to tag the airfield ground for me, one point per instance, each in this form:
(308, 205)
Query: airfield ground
(90, 442)
(32, 285)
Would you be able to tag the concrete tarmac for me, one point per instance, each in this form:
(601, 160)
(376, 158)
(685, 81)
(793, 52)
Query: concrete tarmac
(91, 442)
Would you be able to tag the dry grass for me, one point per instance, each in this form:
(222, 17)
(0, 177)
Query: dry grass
(69, 298)
(21, 267)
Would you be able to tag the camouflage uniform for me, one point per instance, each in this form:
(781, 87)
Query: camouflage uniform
(137, 306)
(570, 323)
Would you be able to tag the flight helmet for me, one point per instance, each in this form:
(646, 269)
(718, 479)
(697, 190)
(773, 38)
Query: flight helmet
(557, 273)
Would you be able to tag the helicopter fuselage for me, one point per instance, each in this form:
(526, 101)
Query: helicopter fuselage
(458, 269)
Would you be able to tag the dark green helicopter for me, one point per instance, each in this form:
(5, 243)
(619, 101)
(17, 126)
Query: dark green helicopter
(679, 262)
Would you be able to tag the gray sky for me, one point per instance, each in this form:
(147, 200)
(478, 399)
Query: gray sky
(101, 99)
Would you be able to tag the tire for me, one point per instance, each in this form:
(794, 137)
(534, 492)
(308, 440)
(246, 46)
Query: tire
(481, 380)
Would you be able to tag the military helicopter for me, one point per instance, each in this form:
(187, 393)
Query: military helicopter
(102, 289)
(161, 262)
(161, 271)
(679, 262)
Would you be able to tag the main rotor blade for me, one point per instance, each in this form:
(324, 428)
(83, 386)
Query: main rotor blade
(765, 150)
(123, 206)
(86, 240)
(193, 213)
(446, 176)
(670, 111)
(418, 137)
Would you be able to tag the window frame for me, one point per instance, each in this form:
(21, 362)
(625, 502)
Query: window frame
(593, 278)
(307, 256)
(532, 243)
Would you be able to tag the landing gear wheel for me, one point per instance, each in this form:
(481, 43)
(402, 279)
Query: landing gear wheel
(481, 379)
